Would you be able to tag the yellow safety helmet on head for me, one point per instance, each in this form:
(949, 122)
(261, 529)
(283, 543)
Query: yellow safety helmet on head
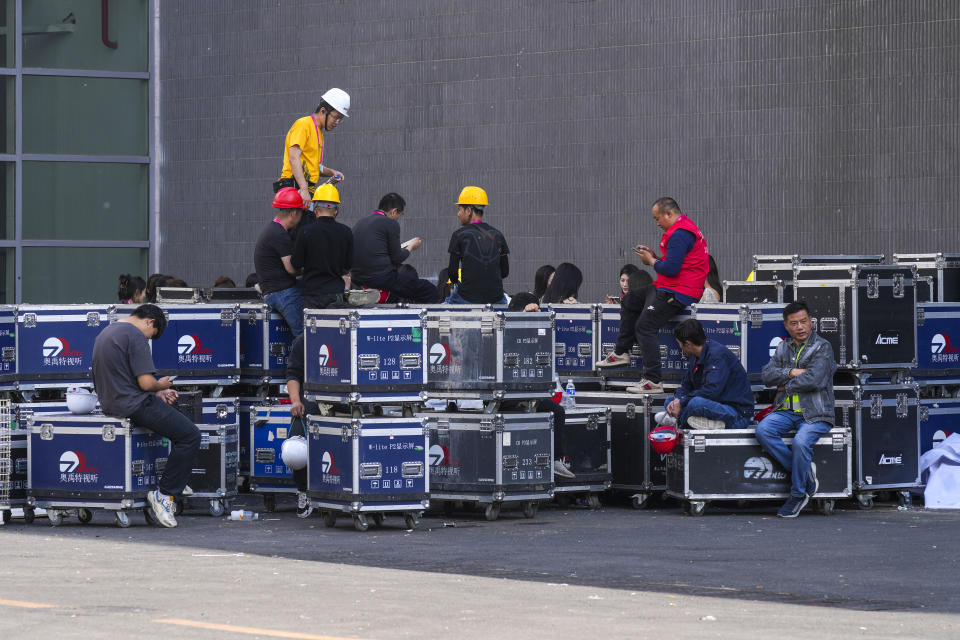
(327, 193)
(473, 196)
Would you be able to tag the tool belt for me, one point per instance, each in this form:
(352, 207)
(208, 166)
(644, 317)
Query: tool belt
(283, 183)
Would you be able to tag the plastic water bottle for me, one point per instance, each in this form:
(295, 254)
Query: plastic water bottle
(570, 395)
(244, 515)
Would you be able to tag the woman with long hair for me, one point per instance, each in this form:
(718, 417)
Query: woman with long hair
(712, 288)
(565, 285)
(131, 289)
(542, 280)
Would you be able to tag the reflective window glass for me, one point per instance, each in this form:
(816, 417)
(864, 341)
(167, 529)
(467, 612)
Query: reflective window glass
(8, 115)
(90, 116)
(7, 276)
(8, 182)
(69, 275)
(7, 20)
(85, 34)
(85, 201)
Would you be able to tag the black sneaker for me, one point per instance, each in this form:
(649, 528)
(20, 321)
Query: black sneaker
(812, 483)
(304, 505)
(792, 507)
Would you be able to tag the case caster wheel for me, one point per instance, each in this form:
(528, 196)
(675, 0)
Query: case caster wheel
(593, 501)
(329, 519)
(377, 519)
(530, 509)
(269, 502)
(55, 517)
(123, 520)
(865, 501)
(216, 508)
(492, 512)
(84, 515)
(29, 515)
(410, 520)
(639, 500)
(149, 516)
(360, 522)
(696, 508)
(826, 506)
(7, 515)
(906, 500)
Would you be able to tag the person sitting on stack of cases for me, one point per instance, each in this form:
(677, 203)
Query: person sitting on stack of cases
(272, 259)
(324, 251)
(526, 301)
(802, 370)
(715, 391)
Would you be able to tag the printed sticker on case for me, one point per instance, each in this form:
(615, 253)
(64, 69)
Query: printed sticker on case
(282, 433)
(506, 438)
(541, 332)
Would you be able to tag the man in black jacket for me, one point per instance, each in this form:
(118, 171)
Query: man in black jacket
(377, 254)
(324, 251)
(478, 254)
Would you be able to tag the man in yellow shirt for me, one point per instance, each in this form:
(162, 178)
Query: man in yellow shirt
(303, 149)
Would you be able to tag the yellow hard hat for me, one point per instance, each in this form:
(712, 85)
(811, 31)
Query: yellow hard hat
(473, 196)
(326, 193)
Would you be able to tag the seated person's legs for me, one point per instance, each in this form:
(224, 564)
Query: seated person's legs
(712, 411)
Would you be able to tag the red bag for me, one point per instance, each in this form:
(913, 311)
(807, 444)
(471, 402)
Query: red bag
(763, 413)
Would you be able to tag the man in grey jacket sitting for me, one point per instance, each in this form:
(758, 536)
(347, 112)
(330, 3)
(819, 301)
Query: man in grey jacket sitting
(802, 371)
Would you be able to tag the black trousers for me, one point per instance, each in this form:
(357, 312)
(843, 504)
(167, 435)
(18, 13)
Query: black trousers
(642, 313)
(161, 418)
(298, 427)
(405, 287)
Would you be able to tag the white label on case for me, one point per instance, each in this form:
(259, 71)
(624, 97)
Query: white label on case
(541, 332)
(281, 433)
(506, 438)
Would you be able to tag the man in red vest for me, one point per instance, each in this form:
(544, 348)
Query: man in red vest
(681, 271)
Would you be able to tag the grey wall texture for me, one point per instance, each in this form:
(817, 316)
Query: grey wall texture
(780, 126)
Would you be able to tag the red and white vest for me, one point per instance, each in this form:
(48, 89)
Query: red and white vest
(689, 280)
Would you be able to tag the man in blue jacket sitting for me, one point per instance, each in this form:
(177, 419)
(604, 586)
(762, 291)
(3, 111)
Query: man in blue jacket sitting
(715, 391)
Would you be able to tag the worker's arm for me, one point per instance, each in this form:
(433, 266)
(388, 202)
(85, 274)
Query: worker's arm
(148, 382)
(297, 169)
(288, 265)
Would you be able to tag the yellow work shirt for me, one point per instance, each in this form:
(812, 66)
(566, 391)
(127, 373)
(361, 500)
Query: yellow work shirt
(307, 135)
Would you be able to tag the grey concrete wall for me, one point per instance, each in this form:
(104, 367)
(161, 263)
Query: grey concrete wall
(780, 126)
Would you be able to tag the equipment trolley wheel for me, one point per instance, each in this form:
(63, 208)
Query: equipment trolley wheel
(269, 502)
(84, 515)
(411, 520)
(360, 522)
(593, 501)
(216, 508)
(826, 506)
(639, 500)
(123, 520)
(149, 516)
(329, 519)
(377, 519)
(865, 501)
(695, 507)
(29, 515)
(492, 512)
(55, 516)
(530, 509)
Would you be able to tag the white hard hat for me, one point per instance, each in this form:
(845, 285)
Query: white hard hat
(339, 100)
(293, 452)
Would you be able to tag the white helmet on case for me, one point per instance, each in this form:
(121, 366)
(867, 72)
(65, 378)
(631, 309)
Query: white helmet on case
(339, 100)
(293, 452)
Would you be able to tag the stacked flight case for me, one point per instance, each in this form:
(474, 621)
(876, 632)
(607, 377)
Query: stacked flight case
(269, 476)
(575, 341)
(943, 269)
(6, 462)
(585, 437)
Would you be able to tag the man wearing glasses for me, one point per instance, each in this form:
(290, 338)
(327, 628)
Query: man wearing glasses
(123, 375)
(303, 148)
(377, 254)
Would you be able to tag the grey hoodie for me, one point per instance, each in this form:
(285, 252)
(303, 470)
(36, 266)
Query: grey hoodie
(815, 386)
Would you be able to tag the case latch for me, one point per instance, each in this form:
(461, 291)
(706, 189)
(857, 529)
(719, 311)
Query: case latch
(9, 354)
(921, 316)
(204, 441)
(924, 413)
(46, 431)
(876, 406)
(898, 285)
(108, 433)
(560, 349)
(227, 317)
(756, 317)
(29, 320)
(344, 326)
(252, 317)
(221, 412)
(487, 325)
(443, 326)
(593, 423)
(902, 407)
(93, 319)
(873, 286)
(630, 411)
(838, 441)
(699, 444)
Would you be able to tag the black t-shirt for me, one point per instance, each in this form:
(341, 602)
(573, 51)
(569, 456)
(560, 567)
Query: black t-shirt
(377, 249)
(274, 243)
(480, 251)
(324, 251)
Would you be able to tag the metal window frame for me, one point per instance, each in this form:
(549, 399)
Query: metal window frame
(18, 71)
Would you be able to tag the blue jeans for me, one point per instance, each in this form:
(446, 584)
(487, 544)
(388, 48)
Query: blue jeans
(770, 434)
(161, 418)
(714, 411)
(289, 304)
(456, 298)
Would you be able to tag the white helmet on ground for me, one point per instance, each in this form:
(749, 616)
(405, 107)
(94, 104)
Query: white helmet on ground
(339, 100)
(293, 452)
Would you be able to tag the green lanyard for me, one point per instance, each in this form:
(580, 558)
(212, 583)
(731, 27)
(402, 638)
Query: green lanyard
(792, 403)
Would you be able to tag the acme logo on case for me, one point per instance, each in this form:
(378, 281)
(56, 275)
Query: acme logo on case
(894, 460)
(888, 338)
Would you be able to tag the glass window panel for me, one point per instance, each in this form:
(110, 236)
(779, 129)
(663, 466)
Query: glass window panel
(8, 291)
(8, 214)
(90, 116)
(76, 34)
(85, 201)
(69, 275)
(8, 114)
(8, 10)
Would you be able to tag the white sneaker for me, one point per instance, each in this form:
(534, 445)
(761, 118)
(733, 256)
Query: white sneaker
(614, 360)
(304, 505)
(699, 422)
(162, 508)
(663, 419)
(560, 469)
(645, 386)
(187, 492)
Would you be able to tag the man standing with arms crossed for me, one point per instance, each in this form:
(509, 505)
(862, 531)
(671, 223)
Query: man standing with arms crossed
(802, 369)
(681, 272)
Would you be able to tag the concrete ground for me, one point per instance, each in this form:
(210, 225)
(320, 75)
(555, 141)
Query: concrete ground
(612, 573)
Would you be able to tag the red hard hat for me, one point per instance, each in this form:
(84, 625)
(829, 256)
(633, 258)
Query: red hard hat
(663, 439)
(288, 198)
